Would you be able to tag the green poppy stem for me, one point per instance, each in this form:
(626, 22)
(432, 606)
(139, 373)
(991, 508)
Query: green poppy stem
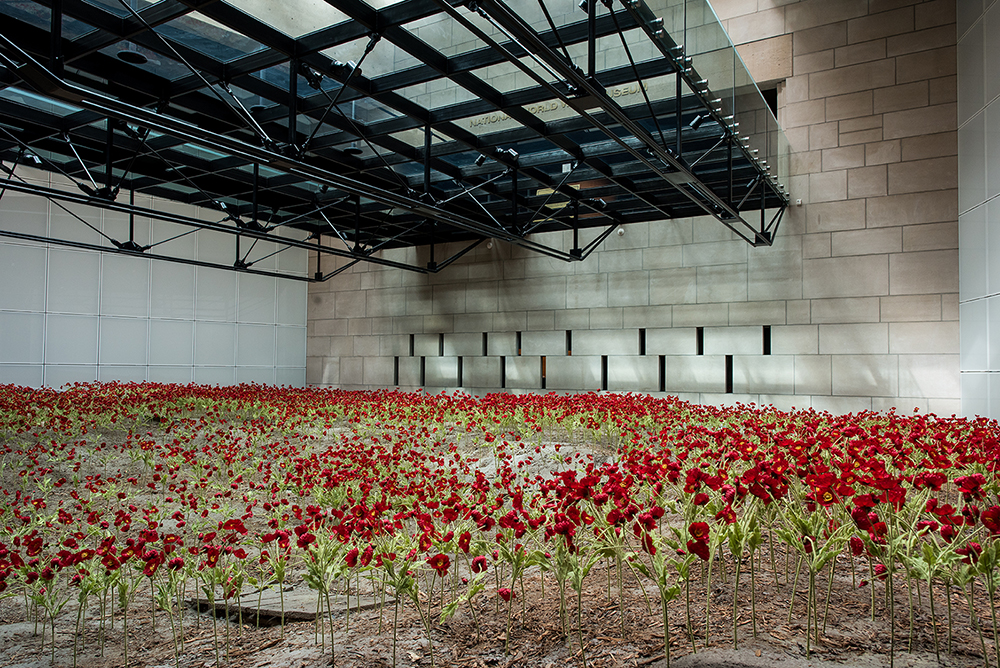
(736, 591)
(930, 595)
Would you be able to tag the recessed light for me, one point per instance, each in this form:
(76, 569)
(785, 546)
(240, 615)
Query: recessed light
(353, 150)
(132, 57)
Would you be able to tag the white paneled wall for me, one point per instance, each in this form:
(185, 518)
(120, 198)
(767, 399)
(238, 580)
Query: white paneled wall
(71, 315)
(979, 204)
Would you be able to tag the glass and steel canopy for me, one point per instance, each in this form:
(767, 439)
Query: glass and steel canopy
(357, 127)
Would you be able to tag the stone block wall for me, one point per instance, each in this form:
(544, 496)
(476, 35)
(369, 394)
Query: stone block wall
(855, 306)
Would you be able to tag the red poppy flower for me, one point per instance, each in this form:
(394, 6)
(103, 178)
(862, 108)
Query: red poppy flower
(479, 564)
(727, 514)
(991, 519)
(440, 563)
(699, 531)
(366, 556)
(463, 542)
(698, 547)
(507, 594)
(970, 552)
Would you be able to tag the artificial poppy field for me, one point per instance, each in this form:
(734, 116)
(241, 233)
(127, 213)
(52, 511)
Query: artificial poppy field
(589, 529)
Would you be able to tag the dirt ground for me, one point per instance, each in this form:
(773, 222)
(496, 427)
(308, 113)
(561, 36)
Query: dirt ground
(850, 637)
(621, 626)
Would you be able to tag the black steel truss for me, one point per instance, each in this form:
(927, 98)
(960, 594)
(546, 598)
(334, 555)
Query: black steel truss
(200, 102)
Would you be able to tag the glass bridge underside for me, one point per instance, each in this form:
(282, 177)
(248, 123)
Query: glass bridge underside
(359, 127)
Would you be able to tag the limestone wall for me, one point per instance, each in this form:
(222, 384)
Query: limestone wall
(855, 306)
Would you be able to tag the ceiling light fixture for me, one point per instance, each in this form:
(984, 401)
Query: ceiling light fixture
(132, 57)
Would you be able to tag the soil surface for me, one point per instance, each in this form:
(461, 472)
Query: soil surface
(619, 621)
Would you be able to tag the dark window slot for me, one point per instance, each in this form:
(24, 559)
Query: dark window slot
(770, 96)
(569, 342)
(663, 373)
(486, 344)
(395, 371)
(543, 372)
(460, 372)
(604, 372)
(642, 342)
(767, 339)
(503, 373)
(517, 343)
(729, 374)
(423, 371)
(700, 336)
(440, 345)
(412, 344)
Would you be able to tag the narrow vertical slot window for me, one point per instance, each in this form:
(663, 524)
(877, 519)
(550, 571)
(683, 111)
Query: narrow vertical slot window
(460, 372)
(440, 345)
(543, 372)
(486, 344)
(412, 344)
(517, 343)
(663, 373)
(604, 372)
(395, 371)
(767, 339)
(729, 374)
(423, 371)
(503, 372)
(642, 341)
(569, 342)
(700, 343)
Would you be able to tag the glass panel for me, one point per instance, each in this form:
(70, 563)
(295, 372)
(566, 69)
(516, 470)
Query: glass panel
(201, 33)
(256, 301)
(57, 375)
(71, 339)
(293, 377)
(437, 93)
(21, 336)
(22, 273)
(262, 375)
(25, 213)
(291, 346)
(214, 375)
(124, 374)
(171, 342)
(74, 277)
(171, 239)
(34, 101)
(215, 343)
(255, 346)
(125, 285)
(216, 247)
(295, 18)
(216, 294)
(170, 374)
(116, 8)
(154, 63)
(291, 302)
(40, 16)
(25, 375)
(123, 341)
